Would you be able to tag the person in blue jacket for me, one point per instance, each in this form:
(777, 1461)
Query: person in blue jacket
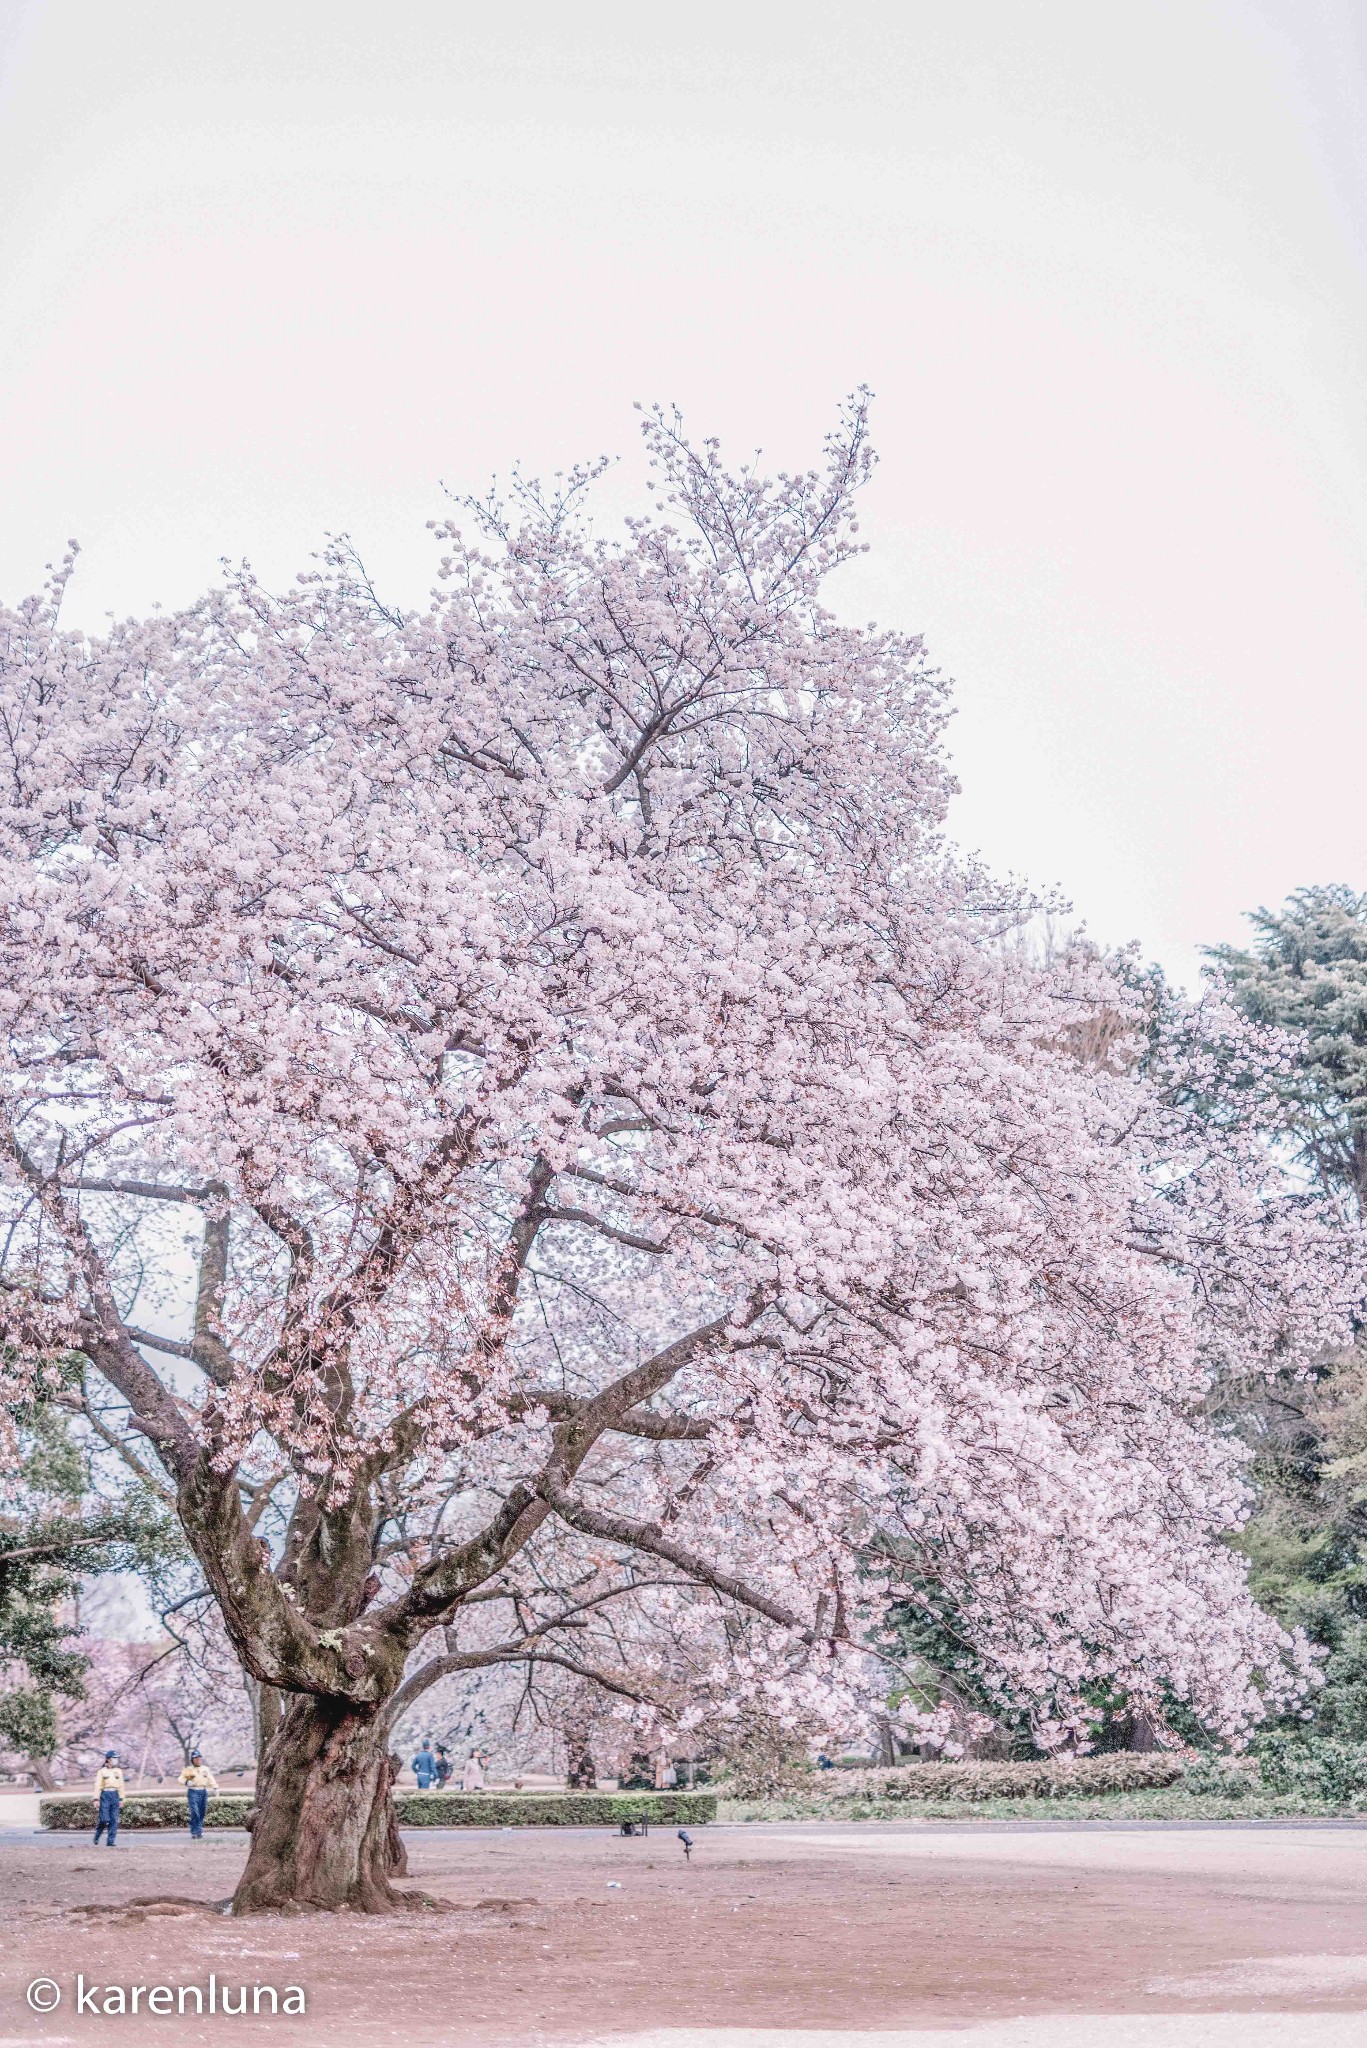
(425, 1766)
(109, 1790)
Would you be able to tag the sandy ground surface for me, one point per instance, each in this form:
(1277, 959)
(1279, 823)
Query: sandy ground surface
(1197, 1937)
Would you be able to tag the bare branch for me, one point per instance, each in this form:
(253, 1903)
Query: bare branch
(587, 1218)
(106, 1340)
(440, 1586)
(145, 1190)
(427, 1675)
(208, 1349)
(174, 1347)
(646, 1536)
(642, 1422)
(82, 1405)
(55, 1546)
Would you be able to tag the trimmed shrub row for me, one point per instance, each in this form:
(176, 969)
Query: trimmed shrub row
(553, 1809)
(77, 1810)
(1055, 1778)
(142, 1810)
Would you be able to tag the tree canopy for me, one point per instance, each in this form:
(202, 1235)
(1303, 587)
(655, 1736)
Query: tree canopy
(523, 1106)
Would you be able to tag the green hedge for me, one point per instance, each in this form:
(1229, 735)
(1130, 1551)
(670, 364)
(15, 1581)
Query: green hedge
(553, 1809)
(1314, 1767)
(77, 1810)
(1055, 1778)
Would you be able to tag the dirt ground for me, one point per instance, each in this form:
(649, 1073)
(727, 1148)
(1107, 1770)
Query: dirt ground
(566, 1936)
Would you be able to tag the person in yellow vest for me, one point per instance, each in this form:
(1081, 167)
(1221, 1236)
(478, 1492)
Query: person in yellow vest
(109, 1789)
(199, 1781)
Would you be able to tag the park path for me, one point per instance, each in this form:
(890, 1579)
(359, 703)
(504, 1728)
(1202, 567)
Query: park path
(1091, 2030)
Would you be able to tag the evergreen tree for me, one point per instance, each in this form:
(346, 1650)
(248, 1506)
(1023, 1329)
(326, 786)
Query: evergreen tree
(1306, 972)
(57, 1529)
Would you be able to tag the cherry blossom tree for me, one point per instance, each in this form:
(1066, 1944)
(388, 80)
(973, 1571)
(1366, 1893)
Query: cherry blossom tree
(154, 1701)
(616, 1155)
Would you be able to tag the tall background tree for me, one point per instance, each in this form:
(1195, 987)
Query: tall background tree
(522, 1108)
(59, 1528)
(1305, 973)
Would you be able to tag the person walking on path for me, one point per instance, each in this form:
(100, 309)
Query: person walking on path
(443, 1768)
(472, 1777)
(425, 1767)
(109, 1788)
(199, 1781)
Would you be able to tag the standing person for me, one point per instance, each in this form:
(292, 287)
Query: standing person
(443, 1768)
(425, 1766)
(109, 1787)
(199, 1781)
(472, 1777)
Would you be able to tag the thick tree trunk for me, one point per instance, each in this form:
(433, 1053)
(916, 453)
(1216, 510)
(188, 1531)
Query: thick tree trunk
(267, 1706)
(321, 1838)
(1143, 1734)
(582, 1773)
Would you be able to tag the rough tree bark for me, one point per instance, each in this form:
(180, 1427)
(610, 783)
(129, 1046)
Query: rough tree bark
(582, 1773)
(322, 1838)
(266, 1711)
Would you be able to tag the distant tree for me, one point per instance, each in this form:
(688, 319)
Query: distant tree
(155, 1700)
(56, 1531)
(1306, 972)
(1307, 1541)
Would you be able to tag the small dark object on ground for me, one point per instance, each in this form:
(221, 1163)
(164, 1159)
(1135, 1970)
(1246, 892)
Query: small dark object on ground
(639, 1826)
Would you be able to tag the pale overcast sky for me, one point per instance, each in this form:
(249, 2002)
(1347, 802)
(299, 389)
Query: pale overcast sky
(271, 269)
